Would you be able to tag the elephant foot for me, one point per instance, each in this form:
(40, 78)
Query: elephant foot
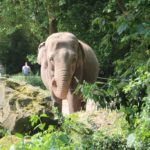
(74, 105)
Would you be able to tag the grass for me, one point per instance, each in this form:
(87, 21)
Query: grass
(34, 80)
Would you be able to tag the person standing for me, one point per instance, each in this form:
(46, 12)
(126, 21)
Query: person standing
(26, 70)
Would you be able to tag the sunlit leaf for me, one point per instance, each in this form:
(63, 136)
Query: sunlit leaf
(122, 28)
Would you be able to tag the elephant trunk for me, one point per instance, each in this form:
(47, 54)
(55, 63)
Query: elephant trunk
(60, 84)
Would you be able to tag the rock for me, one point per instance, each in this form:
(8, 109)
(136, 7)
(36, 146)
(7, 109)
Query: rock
(8, 141)
(19, 101)
(106, 120)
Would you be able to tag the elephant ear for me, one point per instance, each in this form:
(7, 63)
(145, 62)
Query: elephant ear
(81, 52)
(41, 58)
(80, 62)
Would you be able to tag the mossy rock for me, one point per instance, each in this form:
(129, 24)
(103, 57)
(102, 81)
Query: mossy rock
(20, 102)
(12, 84)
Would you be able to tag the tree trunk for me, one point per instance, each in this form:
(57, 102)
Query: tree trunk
(52, 26)
(52, 22)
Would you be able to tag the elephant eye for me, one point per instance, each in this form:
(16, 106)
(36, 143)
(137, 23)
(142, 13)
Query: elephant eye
(73, 46)
(52, 64)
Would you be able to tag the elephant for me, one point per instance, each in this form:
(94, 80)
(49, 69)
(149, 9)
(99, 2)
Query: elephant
(65, 62)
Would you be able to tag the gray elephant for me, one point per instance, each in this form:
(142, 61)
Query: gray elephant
(65, 61)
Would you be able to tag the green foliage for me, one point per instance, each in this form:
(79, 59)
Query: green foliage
(132, 98)
(127, 95)
(34, 80)
(132, 70)
(103, 142)
(140, 138)
(119, 33)
(71, 135)
(36, 120)
(14, 36)
(89, 91)
(32, 58)
(114, 29)
(23, 26)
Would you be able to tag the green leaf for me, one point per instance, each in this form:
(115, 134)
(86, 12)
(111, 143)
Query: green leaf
(64, 138)
(40, 126)
(51, 128)
(19, 135)
(34, 119)
(62, 2)
(44, 115)
(140, 29)
(11, 31)
(122, 28)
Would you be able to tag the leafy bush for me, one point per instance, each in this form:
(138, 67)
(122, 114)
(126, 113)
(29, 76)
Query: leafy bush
(140, 138)
(126, 95)
(130, 96)
(72, 135)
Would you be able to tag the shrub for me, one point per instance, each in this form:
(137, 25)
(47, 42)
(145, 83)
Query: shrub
(72, 135)
(140, 137)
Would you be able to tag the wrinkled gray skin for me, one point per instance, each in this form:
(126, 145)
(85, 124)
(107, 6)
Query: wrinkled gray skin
(63, 59)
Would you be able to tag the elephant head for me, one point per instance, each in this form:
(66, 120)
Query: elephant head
(61, 58)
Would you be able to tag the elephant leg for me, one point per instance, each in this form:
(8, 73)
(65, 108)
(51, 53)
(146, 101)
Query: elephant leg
(74, 101)
(57, 102)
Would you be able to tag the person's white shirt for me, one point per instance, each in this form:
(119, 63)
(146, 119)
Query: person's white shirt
(26, 69)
